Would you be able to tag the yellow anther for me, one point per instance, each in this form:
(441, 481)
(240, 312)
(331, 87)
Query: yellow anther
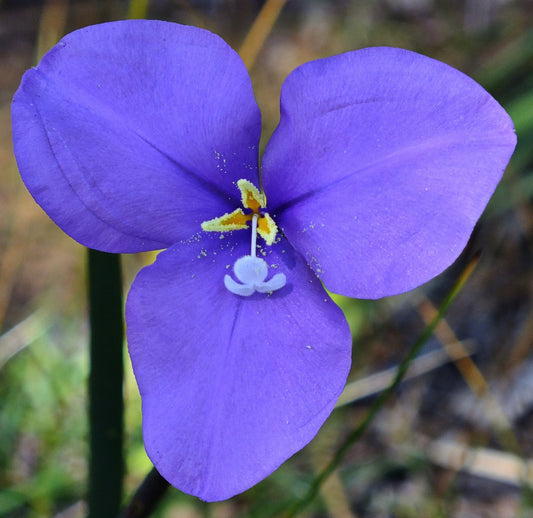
(253, 200)
(267, 229)
(250, 196)
(235, 220)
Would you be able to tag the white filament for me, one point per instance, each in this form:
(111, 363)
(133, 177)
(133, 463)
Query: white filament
(254, 235)
(252, 271)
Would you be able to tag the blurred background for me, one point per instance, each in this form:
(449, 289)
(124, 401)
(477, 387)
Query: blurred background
(456, 438)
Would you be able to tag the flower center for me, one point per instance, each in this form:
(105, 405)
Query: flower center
(250, 270)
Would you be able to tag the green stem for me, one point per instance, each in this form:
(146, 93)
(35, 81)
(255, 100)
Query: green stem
(106, 404)
(147, 496)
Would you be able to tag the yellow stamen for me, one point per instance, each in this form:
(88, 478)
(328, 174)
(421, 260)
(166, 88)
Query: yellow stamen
(235, 220)
(267, 229)
(250, 196)
(253, 200)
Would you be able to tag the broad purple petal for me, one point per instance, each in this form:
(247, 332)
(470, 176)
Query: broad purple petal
(231, 386)
(130, 134)
(381, 165)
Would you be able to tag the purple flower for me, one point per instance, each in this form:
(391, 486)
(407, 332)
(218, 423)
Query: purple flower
(144, 135)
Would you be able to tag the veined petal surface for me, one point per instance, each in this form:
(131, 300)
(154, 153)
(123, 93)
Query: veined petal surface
(130, 134)
(231, 386)
(381, 165)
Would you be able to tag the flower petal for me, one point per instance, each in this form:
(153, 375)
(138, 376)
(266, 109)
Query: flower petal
(231, 386)
(130, 134)
(381, 165)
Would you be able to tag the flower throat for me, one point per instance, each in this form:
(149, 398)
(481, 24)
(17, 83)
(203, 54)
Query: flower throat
(250, 270)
